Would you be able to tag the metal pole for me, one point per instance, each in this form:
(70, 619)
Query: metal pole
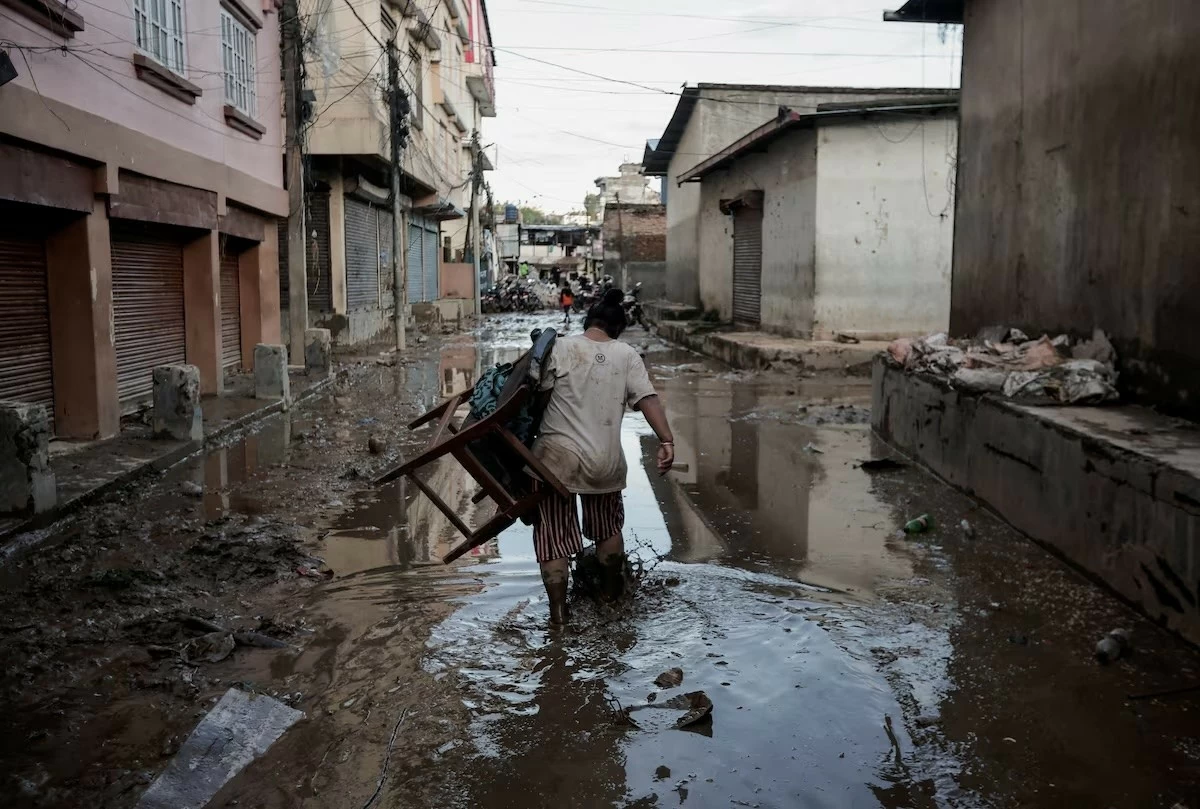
(396, 100)
(477, 177)
(297, 241)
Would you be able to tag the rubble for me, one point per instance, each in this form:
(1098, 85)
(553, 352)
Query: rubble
(1006, 362)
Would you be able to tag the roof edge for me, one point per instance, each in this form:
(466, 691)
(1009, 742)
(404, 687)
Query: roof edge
(790, 119)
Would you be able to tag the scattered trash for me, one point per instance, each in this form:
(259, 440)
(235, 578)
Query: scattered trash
(926, 720)
(191, 488)
(211, 648)
(1042, 371)
(376, 445)
(313, 573)
(967, 529)
(881, 465)
(367, 422)
(1112, 646)
(669, 678)
(919, 525)
(239, 728)
(811, 447)
(258, 640)
(695, 707)
(202, 624)
(422, 340)
(842, 337)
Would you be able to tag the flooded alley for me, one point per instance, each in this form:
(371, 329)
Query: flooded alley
(848, 664)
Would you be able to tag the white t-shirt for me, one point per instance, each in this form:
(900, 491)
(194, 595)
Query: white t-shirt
(593, 382)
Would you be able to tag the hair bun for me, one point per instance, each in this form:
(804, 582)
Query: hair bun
(614, 297)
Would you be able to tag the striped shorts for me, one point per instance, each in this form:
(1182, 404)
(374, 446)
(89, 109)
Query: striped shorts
(556, 534)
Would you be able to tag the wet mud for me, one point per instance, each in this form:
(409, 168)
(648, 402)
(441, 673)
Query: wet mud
(848, 664)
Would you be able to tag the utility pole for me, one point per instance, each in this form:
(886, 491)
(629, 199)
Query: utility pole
(293, 63)
(398, 108)
(476, 180)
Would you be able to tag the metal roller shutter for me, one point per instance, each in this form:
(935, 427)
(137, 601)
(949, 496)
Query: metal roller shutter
(747, 265)
(320, 264)
(415, 280)
(231, 312)
(147, 278)
(25, 364)
(282, 234)
(362, 255)
(431, 251)
(387, 273)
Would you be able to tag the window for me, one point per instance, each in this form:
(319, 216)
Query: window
(160, 31)
(240, 64)
(417, 116)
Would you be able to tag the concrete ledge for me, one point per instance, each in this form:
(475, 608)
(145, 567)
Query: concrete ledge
(165, 455)
(1115, 491)
(660, 311)
(760, 351)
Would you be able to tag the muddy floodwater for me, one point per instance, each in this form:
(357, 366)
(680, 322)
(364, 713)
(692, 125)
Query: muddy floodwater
(848, 664)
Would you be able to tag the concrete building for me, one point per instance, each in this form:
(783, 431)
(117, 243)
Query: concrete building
(1077, 202)
(446, 65)
(707, 118)
(833, 221)
(635, 247)
(567, 248)
(630, 186)
(1075, 210)
(140, 187)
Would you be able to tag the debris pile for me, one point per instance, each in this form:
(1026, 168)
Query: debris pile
(1005, 361)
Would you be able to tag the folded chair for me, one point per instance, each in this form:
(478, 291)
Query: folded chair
(490, 451)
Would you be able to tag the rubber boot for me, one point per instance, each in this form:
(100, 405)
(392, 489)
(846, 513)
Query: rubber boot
(613, 582)
(559, 614)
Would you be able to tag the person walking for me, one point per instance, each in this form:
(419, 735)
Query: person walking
(566, 300)
(591, 378)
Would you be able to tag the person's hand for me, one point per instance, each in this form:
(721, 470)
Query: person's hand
(666, 458)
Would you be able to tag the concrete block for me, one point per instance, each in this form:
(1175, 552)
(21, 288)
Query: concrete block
(318, 352)
(271, 373)
(27, 483)
(177, 411)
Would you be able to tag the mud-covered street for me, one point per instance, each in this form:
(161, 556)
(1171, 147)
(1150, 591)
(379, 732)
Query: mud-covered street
(849, 665)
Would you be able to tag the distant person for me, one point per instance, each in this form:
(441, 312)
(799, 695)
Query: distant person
(566, 300)
(592, 378)
(523, 270)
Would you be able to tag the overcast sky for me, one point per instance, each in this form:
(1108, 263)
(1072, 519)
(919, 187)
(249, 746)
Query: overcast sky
(546, 112)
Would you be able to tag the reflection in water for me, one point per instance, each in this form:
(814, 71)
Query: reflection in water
(773, 496)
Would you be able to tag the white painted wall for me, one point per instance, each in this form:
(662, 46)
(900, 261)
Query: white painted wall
(786, 174)
(884, 225)
(722, 115)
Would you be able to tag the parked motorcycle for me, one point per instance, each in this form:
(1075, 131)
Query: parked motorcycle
(633, 306)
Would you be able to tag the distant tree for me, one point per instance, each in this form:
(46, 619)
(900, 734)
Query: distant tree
(591, 204)
(536, 216)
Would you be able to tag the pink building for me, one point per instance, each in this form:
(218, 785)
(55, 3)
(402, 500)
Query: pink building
(140, 187)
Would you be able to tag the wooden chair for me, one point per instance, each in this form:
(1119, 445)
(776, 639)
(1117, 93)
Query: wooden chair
(491, 454)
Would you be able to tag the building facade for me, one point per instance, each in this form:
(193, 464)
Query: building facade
(446, 68)
(707, 118)
(140, 190)
(630, 186)
(835, 221)
(635, 247)
(1077, 199)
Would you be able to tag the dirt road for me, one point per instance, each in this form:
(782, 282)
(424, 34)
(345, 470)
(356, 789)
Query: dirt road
(849, 665)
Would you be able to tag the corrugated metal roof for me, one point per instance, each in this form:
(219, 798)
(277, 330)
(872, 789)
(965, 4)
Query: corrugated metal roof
(942, 11)
(658, 153)
(787, 120)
